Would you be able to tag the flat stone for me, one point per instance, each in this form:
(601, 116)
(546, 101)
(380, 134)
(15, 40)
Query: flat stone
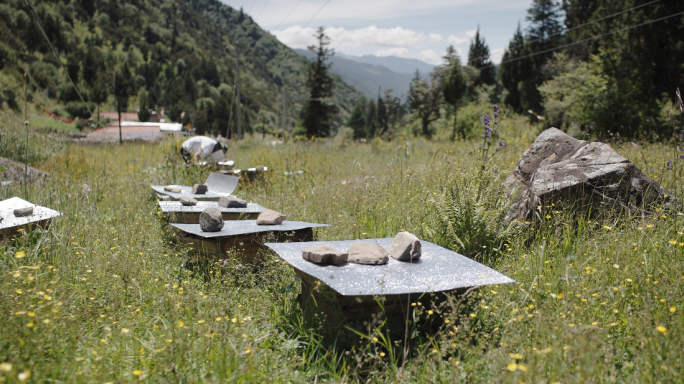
(188, 201)
(199, 189)
(323, 254)
(164, 197)
(211, 220)
(170, 188)
(23, 212)
(367, 253)
(405, 247)
(270, 217)
(232, 202)
(559, 169)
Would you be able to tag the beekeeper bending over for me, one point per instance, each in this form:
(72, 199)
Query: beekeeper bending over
(203, 147)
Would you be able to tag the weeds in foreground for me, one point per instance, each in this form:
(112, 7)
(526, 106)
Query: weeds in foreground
(104, 296)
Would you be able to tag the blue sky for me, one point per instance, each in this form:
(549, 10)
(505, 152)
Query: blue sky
(406, 28)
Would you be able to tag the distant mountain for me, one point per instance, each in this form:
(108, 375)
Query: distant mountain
(366, 77)
(393, 63)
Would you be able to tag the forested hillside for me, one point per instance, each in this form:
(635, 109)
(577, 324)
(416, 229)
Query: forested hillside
(602, 66)
(172, 55)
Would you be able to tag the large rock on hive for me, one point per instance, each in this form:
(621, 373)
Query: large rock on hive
(558, 168)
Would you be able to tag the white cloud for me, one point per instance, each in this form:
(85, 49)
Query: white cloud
(399, 52)
(430, 56)
(496, 55)
(371, 36)
(461, 38)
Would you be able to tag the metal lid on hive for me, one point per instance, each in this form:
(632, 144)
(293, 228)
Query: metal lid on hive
(217, 184)
(176, 206)
(245, 227)
(9, 220)
(438, 269)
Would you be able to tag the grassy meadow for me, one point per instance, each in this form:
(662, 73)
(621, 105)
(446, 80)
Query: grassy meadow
(104, 296)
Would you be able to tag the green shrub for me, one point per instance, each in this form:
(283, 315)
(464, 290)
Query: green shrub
(467, 215)
(79, 110)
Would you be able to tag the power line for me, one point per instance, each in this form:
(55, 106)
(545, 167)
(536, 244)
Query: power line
(590, 38)
(33, 11)
(582, 41)
(585, 24)
(288, 15)
(571, 29)
(251, 6)
(307, 23)
(268, 1)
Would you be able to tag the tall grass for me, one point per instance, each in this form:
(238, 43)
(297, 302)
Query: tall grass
(104, 295)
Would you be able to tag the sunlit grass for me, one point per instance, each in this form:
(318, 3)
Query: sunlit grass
(104, 295)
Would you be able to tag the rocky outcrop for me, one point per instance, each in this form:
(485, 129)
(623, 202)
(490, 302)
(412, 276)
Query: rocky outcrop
(558, 168)
(14, 171)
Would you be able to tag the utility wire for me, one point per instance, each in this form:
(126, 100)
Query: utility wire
(570, 29)
(251, 6)
(582, 41)
(288, 15)
(268, 1)
(585, 24)
(307, 23)
(33, 11)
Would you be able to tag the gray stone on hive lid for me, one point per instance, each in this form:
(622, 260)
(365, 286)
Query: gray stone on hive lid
(199, 189)
(438, 270)
(246, 227)
(8, 206)
(188, 201)
(177, 207)
(363, 252)
(270, 217)
(23, 212)
(232, 202)
(217, 184)
(323, 254)
(211, 220)
(405, 247)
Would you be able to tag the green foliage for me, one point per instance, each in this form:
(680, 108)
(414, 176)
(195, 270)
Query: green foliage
(478, 57)
(318, 112)
(580, 94)
(144, 113)
(424, 100)
(467, 215)
(599, 300)
(79, 110)
(358, 120)
(149, 48)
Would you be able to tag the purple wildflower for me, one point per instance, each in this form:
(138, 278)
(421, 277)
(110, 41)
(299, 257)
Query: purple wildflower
(421, 200)
(471, 152)
(498, 149)
(681, 156)
(669, 165)
(502, 144)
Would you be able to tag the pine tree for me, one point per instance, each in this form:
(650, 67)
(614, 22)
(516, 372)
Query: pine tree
(454, 85)
(515, 70)
(424, 100)
(357, 121)
(545, 26)
(317, 113)
(478, 57)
